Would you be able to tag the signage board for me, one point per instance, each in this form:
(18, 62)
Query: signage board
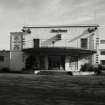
(16, 41)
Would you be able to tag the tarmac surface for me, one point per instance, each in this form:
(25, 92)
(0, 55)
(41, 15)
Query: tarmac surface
(31, 89)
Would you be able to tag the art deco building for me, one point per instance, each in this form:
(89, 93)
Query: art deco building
(55, 47)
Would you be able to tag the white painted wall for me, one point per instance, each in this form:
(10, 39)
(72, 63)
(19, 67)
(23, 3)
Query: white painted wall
(17, 62)
(45, 33)
(101, 46)
(16, 54)
(72, 32)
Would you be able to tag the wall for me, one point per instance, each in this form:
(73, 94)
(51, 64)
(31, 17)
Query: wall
(6, 62)
(70, 36)
(16, 54)
(17, 63)
(102, 48)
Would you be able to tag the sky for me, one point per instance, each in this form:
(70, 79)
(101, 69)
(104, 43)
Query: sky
(16, 13)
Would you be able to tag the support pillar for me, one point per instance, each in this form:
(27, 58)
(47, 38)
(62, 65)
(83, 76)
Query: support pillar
(46, 62)
(67, 60)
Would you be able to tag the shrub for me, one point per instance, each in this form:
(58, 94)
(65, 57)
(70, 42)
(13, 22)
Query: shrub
(25, 70)
(70, 73)
(87, 67)
(98, 69)
(5, 70)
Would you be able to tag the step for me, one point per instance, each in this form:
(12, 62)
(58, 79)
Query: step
(52, 72)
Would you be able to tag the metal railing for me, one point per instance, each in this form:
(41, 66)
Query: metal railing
(59, 43)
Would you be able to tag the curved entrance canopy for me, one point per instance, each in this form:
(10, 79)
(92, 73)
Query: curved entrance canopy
(59, 51)
(56, 58)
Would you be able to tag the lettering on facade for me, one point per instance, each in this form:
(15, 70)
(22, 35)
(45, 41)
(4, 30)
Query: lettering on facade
(58, 30)
(16, 38)
(16, 42)
(16, 47)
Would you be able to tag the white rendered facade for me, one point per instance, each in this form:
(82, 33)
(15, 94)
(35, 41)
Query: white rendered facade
(57, 38)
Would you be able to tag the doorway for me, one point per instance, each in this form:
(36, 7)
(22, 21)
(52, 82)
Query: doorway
(56, 62)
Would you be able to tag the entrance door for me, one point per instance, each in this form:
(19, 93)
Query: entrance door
(73, 63)
(32, 62)
(56, 63)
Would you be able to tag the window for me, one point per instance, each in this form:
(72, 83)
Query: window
(103, 62)
(36, 43)
(102, 52)
(84, 43)
(1, 58)
(58, 36)
(102, 41)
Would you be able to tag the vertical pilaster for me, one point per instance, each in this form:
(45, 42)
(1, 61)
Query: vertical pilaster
(67, 68)
(46, 62)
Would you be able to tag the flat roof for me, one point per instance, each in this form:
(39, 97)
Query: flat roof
(4, 51)
(61, 26)
(58, 51)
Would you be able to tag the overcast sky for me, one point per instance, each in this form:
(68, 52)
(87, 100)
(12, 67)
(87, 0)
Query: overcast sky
(16, 13)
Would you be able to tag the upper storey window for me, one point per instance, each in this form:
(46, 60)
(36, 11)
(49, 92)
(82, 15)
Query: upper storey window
(84, 43)
(102, 41)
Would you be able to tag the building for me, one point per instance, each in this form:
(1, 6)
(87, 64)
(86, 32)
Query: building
(4, 59)
(16, 53)
(102, 51)
(54, 47)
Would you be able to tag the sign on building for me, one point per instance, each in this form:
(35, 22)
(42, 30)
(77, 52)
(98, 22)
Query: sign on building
(16, 41)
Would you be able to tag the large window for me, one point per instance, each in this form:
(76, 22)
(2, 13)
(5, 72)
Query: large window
(102, 52)
(84, 43)
(1, 58)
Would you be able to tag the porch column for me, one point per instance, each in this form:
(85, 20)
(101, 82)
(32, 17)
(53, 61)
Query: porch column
(67, 60)
(46, 62)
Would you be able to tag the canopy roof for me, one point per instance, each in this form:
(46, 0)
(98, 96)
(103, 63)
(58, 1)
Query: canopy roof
(59, 51)
(62, 26)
